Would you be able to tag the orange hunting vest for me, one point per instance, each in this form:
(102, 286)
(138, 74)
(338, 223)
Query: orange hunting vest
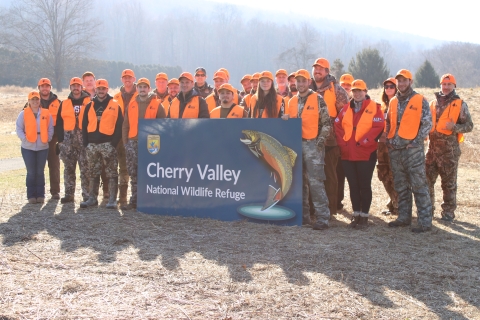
(310, 115)
(364, 124)
(53, 109)
(410, 122)
(150, 113)
(253, 103)
(31, 130)
(191, 110)
(108, 120)
(452, 112)
(331, 99)
(166, 104)
(119, 99)
(212, 104)
(236, 112)
(68, 114)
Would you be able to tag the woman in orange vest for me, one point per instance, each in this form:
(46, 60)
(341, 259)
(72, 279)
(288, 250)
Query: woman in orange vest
(35, 129)
(358, 127)
(266, 103)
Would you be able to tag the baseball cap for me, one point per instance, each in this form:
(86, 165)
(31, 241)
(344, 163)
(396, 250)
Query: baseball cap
(161, 75)
(266, 74)
(359, 85)
(33, 94)
(200, 69)
(255, 76)
(44, 81)
(101, 83)
(226, 72)
(448, 78)
(281, 71)
(227, 86)
(291, 75)
(186, 75)
(76, 80)
(346, 78)
(404, 73)
(302, 73)
(322, 62)
(391, 79)
(128, 72)
(173, 81)
(144, 81)
(221, 75)
(246, 77)
(88, 73)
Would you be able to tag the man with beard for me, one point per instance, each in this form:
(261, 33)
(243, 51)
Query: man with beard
(188, 103)
(451, 119)
(101, 131)
(213, 99)
(173, 88)
(201, 85)
(292, 84)
(408, 123)
(227, 108)
(282, 85)
(336, 98)
(69, 132)
(161, 81)
(245, 103)
(246, 85)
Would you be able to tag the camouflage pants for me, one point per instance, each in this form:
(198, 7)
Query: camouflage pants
(102, 155)
(313, 177)
(385, 175)
(122, 172)
(408, 168)
(443, 161)
(71, 152)
(131, 149)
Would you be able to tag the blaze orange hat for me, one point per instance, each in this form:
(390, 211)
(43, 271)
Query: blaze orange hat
(44, 81)
(173, 81)
(33, 94)
(76, 80)
(255, 76)
(128, 72)
(404, 73)
(291, 75)
(281, 71)
(144, 81)
(186, 75)
(221, 75)
(448, 78)
(392, 80)
(226, 72)
(302, 73)
(322, 62)
(266, 74)
(101, 83)
(161, 75)
(246, 77)
(227, 86)
(359, 85)
(88, 73)
(346, 78)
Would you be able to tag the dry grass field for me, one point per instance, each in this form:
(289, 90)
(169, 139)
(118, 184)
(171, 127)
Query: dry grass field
(60, 262)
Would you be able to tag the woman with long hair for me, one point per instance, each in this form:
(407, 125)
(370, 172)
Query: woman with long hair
(34, 127)
(266, 103)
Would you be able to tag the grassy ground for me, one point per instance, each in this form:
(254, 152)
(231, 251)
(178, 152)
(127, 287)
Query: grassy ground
(60, 262)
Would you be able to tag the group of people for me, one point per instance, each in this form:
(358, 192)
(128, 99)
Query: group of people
(345, 134)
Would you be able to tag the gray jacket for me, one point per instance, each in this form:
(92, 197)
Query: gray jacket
(37, 145)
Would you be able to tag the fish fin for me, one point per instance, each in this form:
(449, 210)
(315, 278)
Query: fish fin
(272, 198)
(292, 155)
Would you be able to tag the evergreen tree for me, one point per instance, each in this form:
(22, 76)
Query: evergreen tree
(370, 67)
(337, 68)
(426, 76)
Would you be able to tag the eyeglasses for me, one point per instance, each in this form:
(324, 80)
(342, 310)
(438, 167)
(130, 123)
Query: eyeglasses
(199, 75)
(389, 86)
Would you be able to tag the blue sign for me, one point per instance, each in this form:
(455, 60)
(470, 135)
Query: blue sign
(225, 169)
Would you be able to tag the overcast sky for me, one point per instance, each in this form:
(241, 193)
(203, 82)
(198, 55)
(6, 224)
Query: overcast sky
(443, 20)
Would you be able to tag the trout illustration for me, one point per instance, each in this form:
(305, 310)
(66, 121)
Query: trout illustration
(279, 158)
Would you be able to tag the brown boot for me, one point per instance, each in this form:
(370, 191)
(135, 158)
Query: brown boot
(363, 221)
(355, 219)
(122, 198)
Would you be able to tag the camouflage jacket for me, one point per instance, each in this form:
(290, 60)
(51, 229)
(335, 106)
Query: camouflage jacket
(204, 90)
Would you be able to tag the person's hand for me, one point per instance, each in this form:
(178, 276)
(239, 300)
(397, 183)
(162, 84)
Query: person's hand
(449, 125)
(285, 117)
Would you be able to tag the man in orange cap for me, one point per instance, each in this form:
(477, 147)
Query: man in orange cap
(245, 103)
(227, 108)
(246, 85)
(451, 119)
(70, 140)
(408, 123)
(101, 131)
(161, 81)
(144, 106)
(188, 104)
(292, 84)
(88, 79)
(213, 99)
(201, 85)
(336, 98)
(173, 90)
(346, 81)
(282, 84)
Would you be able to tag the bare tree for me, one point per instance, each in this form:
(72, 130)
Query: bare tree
(304, 52)
(57, 31)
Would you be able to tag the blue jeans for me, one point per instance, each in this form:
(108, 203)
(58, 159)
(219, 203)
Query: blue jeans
(35, 162)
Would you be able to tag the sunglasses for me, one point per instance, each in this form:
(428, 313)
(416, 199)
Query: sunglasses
(199, 75)
(389, 86)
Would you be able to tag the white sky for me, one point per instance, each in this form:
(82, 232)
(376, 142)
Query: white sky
(445, 20)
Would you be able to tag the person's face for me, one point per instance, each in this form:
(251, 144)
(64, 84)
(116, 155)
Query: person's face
(173, 90)
(281, 80)
(292, 84)
(247, 85)
(76, 89)
(359, 95)
(226, 96)
(302, 84)
(186, 85)
(265, 84)
(319, 73)
(34, 102)
(403, 83)
(347, 87)
(200, 78)
(447, 87)
(389, 89)
(161, 85)
(44, 90)
(128, 81)
(218, 82)
(143, 90)
(254, 84)
(89, 83)
(101, 92)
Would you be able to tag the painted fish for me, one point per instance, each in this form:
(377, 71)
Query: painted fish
(279, 158)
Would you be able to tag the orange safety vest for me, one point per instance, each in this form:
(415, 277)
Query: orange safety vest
(68, 114)
(53, 110)
(107, 121)
(118, 97)
(364, 124)
(31, 130)
(310, 115)
(410, 122)
(212, 104)
(451, 113)
(166, 104)
(253, 103)
(236, 112)
(331, 99)
(191, 110)
(150, 113)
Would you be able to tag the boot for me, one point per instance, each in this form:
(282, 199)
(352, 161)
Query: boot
(93, 194)
(362, 221)
(399, 223)
(122, 198)
(355, 220)
(129, 206)
(66, 199)
(112, 190)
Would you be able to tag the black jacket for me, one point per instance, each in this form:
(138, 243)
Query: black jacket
(203, 107)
